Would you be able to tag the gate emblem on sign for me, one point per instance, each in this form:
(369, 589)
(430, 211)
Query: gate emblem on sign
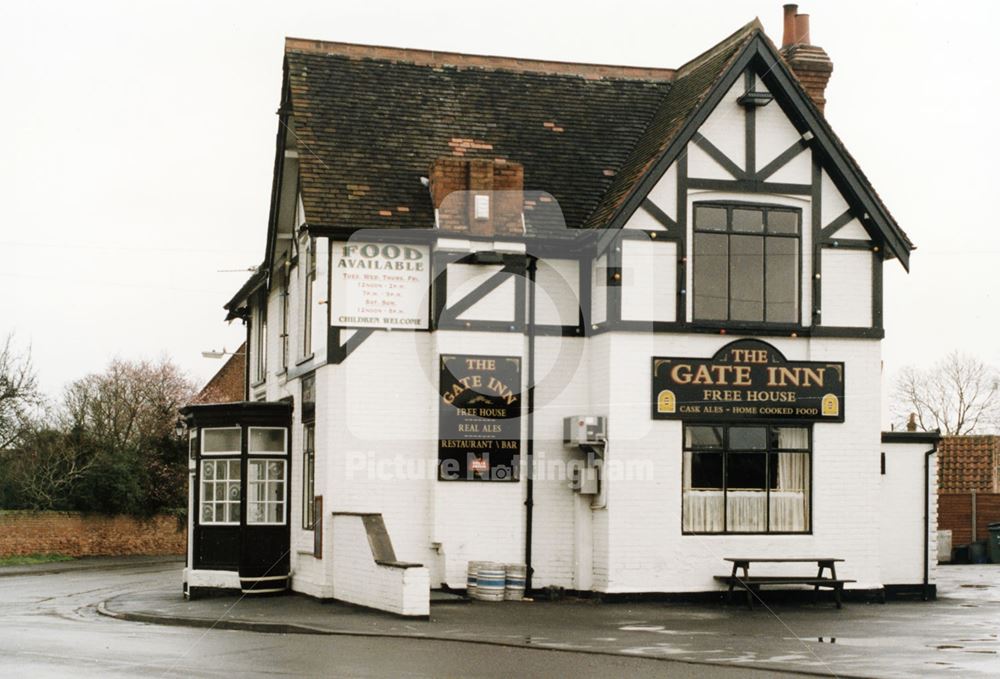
(666, 402)
(831, 406)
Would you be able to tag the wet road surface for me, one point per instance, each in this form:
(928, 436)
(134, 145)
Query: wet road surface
(49, 627)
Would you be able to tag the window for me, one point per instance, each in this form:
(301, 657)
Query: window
(260, 339)
(308, 476)
(285, 278)
(746, 479)
(307, 299)
(746, 263)
(220, 492)
(267, 440)
(265, 491)
(221, 441)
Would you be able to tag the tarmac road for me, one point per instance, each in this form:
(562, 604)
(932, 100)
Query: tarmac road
(49, 627)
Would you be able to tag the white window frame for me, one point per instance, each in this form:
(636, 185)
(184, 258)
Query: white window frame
(309, 476)
(307, 253)
(272, 453)
(284, 497)
(215, 483)
(223, 452)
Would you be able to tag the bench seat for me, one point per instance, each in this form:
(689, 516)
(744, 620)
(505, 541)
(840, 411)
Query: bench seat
(752, 584)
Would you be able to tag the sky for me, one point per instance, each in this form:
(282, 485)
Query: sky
(135, 173)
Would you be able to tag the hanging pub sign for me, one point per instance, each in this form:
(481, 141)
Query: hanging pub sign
(379, 285)
(479, 418)
(747, 380)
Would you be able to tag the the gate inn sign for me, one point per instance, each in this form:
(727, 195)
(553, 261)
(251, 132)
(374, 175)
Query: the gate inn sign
(747, 380)
(479, 418)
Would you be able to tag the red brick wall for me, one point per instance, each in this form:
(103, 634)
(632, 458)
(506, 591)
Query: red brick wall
(74, 534)
(955, 514)
(454, 182)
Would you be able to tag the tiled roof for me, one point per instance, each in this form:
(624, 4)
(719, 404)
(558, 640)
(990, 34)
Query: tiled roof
(227, 385)
(370, 121)
(967, 463)
(692, 84)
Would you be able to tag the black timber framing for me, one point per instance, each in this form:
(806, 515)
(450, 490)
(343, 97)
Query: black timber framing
(613, 312)
(735, 330)
(670, 227)
(781, 160)
(586, 293)
(766, 62)
(838, 164)
(750, 126)
(816, 225)
(682, 221)
(338, 350)
(446, 318)
(718, 156)
(749, 186)
(835, 226)
(877, 289)
(848, 244)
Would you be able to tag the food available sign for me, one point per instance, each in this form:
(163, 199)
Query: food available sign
(747, 380)
(379, 285)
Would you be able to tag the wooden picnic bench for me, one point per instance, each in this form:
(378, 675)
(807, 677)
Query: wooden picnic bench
(752, 584)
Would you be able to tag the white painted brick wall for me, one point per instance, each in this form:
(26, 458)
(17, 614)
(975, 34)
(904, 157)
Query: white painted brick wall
(649, 265)
(599, 290)
(357, 579)
(645, 548)
(497, 305)
(847, 288)
(557, 298)
(901, 516)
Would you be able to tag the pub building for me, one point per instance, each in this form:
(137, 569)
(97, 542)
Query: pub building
(612, 323)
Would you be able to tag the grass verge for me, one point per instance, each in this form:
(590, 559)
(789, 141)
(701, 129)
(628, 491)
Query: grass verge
(31, 559)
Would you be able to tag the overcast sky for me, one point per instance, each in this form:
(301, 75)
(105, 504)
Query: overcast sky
(139, 142)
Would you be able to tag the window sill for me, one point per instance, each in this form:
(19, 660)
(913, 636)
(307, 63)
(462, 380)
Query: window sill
(304, 359)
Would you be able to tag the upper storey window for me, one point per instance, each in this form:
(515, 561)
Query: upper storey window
(746, 263)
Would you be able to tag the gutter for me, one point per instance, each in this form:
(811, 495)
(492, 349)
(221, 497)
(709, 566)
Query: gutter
(529, 501)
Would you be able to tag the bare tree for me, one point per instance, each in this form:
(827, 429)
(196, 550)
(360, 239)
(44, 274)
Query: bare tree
(19, 393)
(129, 402)
(958, 395)
(47, 466)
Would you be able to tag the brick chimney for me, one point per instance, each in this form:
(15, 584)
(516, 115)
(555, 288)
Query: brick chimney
(479, 197)
(811, 64)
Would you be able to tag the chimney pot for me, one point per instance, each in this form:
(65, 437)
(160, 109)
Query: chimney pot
(802, 29)
(811, 64)
(788, 39)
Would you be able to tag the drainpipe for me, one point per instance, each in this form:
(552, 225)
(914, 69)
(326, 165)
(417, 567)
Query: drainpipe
(529, 501)
(927, 518)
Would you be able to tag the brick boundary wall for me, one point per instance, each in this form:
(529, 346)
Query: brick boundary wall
(76, 534)
(955, 514)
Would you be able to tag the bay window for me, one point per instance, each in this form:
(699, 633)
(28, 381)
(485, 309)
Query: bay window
(266, 476)
(220, 492)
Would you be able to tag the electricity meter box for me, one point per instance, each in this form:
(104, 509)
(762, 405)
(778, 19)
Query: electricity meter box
(582, 430)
